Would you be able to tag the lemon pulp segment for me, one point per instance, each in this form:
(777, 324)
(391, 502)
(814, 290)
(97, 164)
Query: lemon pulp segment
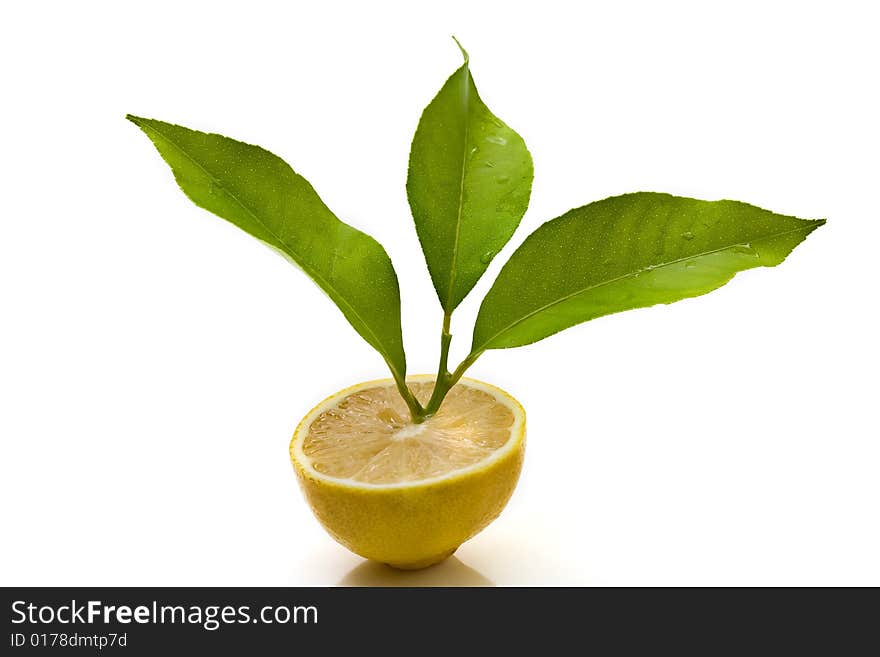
(368, 436)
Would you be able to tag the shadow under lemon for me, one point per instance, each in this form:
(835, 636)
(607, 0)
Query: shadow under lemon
(450, 572)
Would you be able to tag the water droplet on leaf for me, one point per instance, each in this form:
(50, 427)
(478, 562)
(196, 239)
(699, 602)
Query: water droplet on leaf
(486, 258)
(745, 249)
(688, 235)
(496, 139)
(502, 179)
(690, 265)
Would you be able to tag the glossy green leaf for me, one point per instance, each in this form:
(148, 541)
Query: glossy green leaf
(627, 252)
(259, 192)
(469, 181)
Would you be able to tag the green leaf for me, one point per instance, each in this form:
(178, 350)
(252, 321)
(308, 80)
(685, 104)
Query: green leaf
(626, 252)
(259, 192)
(469, 181)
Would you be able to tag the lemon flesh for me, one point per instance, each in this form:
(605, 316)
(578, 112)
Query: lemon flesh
(402, 493)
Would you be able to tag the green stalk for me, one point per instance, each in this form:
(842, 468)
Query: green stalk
(441, 383)
(463, 366)
(445, 379)
(415, 408)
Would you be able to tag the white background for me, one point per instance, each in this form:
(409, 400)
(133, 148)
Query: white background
(155, 360)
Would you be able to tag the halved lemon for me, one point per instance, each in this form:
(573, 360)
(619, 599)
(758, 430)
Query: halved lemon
(402, 493)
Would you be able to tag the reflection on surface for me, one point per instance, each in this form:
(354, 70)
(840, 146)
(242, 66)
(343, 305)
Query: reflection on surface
(451, 572)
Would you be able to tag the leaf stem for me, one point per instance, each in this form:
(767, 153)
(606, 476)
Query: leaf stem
(445, 383)
(415, 408)
(463, 366)
(445, 379)
(441, 385)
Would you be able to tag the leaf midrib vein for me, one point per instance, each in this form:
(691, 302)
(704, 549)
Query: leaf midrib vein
(464, 154)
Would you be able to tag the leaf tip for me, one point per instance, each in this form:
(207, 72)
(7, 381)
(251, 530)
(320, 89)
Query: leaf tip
(464, 53)
(814, 224)
(134, 119)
